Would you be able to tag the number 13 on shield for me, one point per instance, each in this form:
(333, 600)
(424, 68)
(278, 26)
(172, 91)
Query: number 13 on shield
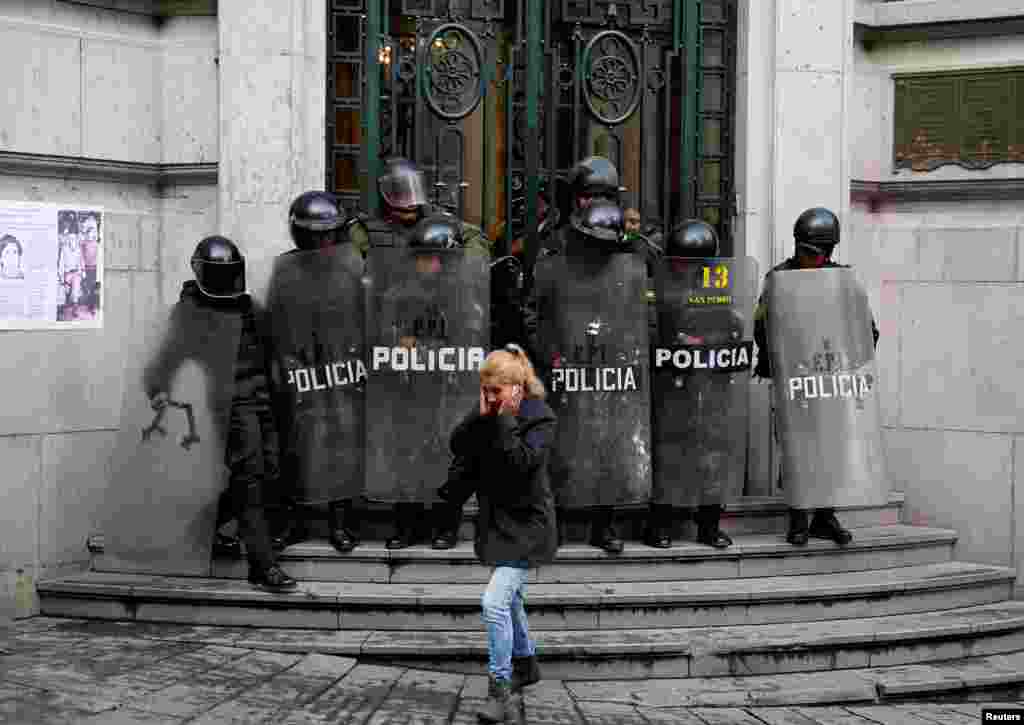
(717, 277)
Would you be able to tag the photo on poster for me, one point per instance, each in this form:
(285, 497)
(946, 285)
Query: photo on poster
(51, 266)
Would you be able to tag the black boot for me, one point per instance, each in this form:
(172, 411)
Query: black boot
(271, 578)
(341, 536)
(448, 518)
(525, 672)
(406, 525)
(658, 533)
(500, 706)
(602, 531)
(227, 547)
(561, 525)
(797, 535)
(825, 525)
(708, 532)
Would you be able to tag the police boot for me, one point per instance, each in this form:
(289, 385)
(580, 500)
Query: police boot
(659, 527)
(406, 524)
(500, 706)
(289, 526)
(448, 519)
(708, 532)
(525, 672)
(342, 538)
(797, 535)
(825, 525)
(227, 547)
(271, 577)
(602, 531)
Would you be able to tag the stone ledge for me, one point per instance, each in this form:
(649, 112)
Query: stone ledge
(880, 192)
(127, 172)
(913, 20)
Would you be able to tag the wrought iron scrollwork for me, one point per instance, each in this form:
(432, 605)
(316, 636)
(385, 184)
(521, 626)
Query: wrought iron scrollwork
(613, 77)
(454, 66)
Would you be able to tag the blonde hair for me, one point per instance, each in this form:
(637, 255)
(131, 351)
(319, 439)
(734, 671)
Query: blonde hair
(511, 366)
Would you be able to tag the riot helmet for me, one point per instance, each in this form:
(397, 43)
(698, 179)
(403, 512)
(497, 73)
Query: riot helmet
(816, 232)
(594, 177)
(219, 268)
(436, 232)
(694, 239)
(315, 218)
(401, 185)
(599, 225)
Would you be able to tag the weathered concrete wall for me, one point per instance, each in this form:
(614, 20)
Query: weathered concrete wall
(107, 85)
(947, 283)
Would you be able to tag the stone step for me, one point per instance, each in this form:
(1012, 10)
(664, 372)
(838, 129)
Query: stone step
(552, 606)
(640, 653)
(746, 515)
(1000, 675)
(878, 547)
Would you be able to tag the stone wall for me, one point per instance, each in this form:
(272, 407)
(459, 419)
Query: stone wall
(947, 282)
(107, 85)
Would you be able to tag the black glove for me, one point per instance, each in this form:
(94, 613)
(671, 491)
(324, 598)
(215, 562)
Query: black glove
(445, 492)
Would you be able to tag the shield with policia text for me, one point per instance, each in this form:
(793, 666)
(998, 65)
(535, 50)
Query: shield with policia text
(593, 349)
(317, 328)
(826, 389)
(427, 335)
(702, 359)
(168, 468)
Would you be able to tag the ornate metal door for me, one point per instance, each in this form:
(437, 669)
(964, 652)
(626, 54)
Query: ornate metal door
(493, 97)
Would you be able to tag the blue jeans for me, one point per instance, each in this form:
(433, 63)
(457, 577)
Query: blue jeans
(505, 618)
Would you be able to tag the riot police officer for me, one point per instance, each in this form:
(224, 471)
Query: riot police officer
(700, 415)
(217, 296)
(427, 322)
(317, 317)
(509, 283)
(816, 234)
(403, 204)
(589, 333)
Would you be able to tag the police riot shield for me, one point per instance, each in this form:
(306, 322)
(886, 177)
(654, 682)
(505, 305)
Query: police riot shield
(168, 468)
(316, 308)
(593, 350)
(506, 302)
(826, 381)
(702, 358)
(427, 335)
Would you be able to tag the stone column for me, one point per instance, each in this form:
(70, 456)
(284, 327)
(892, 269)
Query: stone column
(794, 70)
(813, 69)
(272, 120)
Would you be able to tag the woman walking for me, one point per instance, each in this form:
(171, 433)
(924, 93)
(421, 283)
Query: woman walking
(501, 454)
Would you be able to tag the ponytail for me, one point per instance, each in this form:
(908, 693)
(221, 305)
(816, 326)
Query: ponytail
(511, 366)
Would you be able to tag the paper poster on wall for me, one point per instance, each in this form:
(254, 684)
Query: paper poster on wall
(51, 266)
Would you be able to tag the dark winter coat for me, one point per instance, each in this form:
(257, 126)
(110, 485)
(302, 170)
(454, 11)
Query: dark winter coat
(504, 460)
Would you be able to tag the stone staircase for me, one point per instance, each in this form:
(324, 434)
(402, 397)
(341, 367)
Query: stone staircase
(891, 616)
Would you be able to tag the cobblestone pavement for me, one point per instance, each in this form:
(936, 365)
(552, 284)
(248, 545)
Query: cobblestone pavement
(75, 671)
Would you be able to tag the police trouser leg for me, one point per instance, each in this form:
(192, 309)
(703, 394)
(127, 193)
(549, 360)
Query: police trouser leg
(602, 530)
(658, 532)
(245, 461)
(340, 520)
(447, 521)
(408, 519)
